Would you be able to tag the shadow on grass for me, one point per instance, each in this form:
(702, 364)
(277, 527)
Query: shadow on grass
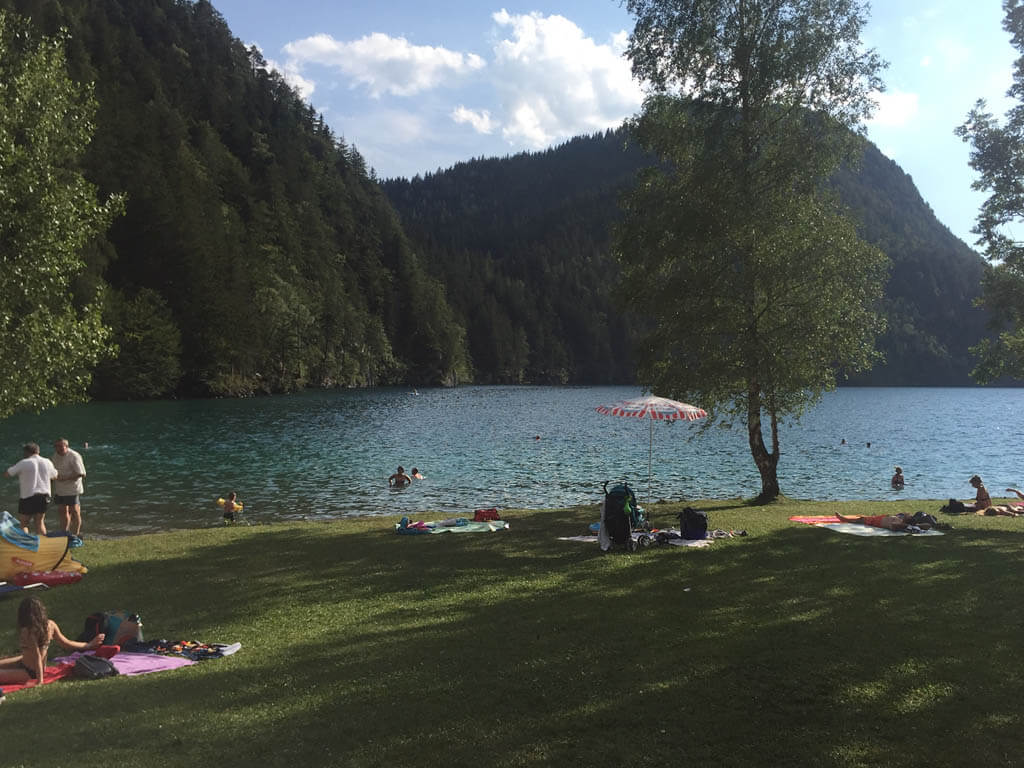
(512, 649)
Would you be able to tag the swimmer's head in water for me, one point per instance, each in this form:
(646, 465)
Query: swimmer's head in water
(401, 469)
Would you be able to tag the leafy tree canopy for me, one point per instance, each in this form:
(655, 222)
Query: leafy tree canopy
(49, 339)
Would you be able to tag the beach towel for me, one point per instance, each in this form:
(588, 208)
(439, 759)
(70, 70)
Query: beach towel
(189, 649)
(855, 529)
(680, 542)
(455, 525)
(130, 663)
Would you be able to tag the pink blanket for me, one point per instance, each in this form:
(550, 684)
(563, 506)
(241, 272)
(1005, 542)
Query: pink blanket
(124, 663)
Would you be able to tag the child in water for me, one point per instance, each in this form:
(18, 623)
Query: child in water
(35, 632)
(230, 507)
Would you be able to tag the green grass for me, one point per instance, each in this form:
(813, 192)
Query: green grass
(793, 646)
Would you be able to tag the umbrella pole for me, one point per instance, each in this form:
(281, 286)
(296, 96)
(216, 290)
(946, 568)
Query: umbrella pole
(650, 452)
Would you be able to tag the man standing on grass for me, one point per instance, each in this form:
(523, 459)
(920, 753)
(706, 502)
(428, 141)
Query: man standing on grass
(34, 474)
(68, 486)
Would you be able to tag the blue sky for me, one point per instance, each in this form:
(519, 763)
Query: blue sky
(418, 86)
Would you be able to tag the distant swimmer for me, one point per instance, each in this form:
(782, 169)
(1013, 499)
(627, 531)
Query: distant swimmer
(897, 481)
(399, 479)
(415, 474)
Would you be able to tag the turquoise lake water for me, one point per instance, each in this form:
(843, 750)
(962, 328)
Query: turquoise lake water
(155, 466)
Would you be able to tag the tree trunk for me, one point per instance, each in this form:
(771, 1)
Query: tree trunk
(766, 462)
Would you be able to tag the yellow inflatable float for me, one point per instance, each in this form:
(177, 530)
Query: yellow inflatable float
(21, 552)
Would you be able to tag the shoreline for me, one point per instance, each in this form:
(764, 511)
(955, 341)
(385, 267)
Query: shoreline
(663, 508)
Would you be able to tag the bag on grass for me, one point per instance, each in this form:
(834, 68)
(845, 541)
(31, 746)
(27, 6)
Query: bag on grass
(956, 507)
(693, 523)
(93, 668)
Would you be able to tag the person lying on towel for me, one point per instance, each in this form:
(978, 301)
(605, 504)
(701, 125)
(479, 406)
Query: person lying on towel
(898, 522)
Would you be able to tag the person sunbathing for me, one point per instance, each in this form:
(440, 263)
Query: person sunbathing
(898, 522)
(1019, 495)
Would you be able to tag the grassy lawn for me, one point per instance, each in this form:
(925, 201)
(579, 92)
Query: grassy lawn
(794, 646)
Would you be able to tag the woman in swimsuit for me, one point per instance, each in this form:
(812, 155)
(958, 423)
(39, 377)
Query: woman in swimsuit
(892, 522)
(35, 632)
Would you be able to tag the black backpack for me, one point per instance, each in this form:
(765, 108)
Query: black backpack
(619, 509)
(693, 523)
(93, 668)
(956, 507)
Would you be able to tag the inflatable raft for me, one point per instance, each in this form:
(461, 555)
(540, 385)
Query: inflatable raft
(21, 552)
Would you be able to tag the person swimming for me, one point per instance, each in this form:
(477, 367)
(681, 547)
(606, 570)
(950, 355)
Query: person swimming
(399, 479)
(416, 474)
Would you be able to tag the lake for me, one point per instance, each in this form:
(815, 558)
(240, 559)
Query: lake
(327, 454)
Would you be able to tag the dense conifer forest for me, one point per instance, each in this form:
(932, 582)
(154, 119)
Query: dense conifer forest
(259, 253)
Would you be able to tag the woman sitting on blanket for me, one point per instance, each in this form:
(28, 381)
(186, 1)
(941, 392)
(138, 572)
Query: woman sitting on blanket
(898, 522)
(35, 631)
(983, 502)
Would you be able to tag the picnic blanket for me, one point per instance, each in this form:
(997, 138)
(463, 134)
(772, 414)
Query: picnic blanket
(637, 534)
(454, 525)
(125, 663)
(855, 529)
(132, 663)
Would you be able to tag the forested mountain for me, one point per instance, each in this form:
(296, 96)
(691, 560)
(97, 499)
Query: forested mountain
(259, 253)
(522, 244)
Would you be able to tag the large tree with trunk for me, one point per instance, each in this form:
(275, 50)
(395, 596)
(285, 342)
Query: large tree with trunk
(757, 290)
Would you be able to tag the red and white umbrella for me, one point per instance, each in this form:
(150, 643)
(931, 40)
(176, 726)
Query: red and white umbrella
(654, 409)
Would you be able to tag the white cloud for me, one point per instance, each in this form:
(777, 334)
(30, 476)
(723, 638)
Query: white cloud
(895, 109)
(384, 64)
(554, 82)
(479, 119)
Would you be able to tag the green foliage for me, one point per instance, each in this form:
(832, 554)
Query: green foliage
(998, 157)
(49, 338)
(759, 287)
(148, 363)
(279, 260)
(521, 245)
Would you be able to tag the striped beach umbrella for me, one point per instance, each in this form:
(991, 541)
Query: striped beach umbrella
(653, 409)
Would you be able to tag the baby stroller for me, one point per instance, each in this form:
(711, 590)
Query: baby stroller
(620, 516)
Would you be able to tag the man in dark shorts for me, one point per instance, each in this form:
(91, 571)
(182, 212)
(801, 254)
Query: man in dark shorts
(34, 474)
(68, 486)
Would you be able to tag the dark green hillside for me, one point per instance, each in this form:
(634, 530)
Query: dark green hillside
(934, 280)
(522, 244)
(257, 252)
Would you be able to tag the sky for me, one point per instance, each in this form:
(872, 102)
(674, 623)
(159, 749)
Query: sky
(420, 86)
